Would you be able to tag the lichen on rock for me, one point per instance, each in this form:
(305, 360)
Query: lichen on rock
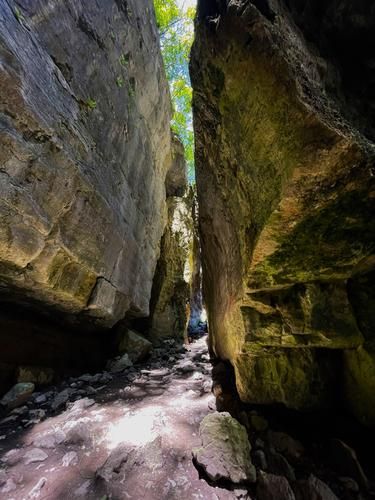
(284, 157)
(225, 451)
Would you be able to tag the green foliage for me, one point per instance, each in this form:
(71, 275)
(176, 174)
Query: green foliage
(176, 36)
(91, 104)
(166, 13)
(124, 59)
(119, 81)
(18, 14)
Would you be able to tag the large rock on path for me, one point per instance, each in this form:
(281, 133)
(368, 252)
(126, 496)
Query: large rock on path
(134, 345)
(225, 450)
(18, 395)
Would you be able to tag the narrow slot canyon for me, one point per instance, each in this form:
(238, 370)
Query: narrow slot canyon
(187, 249)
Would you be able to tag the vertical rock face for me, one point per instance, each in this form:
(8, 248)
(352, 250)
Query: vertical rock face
(85, 148)
(284, 121)
(171, 287)
(196, 303)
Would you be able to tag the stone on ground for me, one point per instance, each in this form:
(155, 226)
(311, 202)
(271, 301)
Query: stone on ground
(35, 455)
(36, 491)
(60, 400)
(49, 439)
(279, 465)
(225, 451)
(78, 431)
(18, 395)
(314, 489)
(285, 444)
(70, 458)
(123, 460)
(119, 365)
(136, 346)
(271, 487)
(344, 459)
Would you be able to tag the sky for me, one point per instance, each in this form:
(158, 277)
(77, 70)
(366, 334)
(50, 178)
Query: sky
(186, 3)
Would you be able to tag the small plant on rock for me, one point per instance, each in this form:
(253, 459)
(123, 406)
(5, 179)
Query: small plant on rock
(124, 60)
(91, 104)
(18, 15)
(119, 81)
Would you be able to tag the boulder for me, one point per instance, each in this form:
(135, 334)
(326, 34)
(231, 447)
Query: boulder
(345, 461)
(49, 439)
(34, 455)
(119, 364)
(18, 395)
(314, 489)
(279, 465)
(147, 459)
(134, 345)
(349, 484)
(225, 450)
(70, 458)
(60, 399)
(271, 487)
(186, 366)
(78, 431)
(286, 445)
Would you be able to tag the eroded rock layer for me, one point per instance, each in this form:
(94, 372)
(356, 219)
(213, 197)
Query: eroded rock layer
(86, 159)
(85, 148)
(172, 283)
(285, 177)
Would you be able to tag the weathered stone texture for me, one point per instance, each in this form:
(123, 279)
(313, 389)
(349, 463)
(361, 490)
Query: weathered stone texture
(171, 289)
(286, 187)
(225, 450)
(85, 148)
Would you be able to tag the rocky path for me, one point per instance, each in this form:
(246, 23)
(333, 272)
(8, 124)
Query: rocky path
(130, 437)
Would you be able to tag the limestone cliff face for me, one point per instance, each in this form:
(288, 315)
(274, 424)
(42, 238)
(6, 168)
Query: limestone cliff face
(172, 282)
(85, 148)
(285, 177)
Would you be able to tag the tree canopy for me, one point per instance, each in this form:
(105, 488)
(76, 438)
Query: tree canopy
(175, 25)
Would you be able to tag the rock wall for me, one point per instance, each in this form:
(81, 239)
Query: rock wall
(284, 122)
(196, 302)
(169, 306)
(85, 148)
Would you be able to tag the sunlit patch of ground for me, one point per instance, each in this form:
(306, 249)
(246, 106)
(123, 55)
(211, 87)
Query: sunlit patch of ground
(155, 420)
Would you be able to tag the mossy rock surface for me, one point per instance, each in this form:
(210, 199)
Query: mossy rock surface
(286, 196)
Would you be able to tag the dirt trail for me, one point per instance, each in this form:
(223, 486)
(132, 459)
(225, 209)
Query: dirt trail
(130, 440)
